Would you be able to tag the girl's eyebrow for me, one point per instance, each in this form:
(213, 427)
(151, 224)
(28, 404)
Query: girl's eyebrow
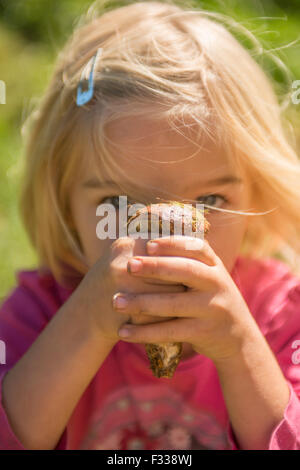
(227, 179)
(96, 183)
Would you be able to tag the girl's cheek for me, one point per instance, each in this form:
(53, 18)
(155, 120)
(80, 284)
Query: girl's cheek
(225, 236)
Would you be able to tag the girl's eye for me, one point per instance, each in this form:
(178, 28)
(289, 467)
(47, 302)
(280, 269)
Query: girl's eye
(114, 200)
(210, 200)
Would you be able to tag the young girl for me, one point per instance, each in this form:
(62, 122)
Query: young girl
(175, 108)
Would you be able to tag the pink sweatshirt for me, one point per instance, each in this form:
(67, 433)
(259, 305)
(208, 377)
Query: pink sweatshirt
(125, 406)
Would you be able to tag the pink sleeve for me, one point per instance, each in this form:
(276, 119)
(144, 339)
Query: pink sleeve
(286, 435)
(22, 318)
(284, 339)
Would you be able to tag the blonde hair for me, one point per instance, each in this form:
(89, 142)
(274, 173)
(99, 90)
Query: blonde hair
(166, 61)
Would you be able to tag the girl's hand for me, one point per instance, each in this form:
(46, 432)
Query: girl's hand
(211, 314)
(105, 278)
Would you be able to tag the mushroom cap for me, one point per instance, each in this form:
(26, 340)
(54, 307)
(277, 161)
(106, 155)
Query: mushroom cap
(169, 218)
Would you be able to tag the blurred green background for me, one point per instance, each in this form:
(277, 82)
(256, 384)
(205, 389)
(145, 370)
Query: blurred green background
(31, 34)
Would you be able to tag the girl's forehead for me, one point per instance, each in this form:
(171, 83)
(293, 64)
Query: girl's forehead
(180, 179)
(185, 147)
(142, 132)
(152, 153)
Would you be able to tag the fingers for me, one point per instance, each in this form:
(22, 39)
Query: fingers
(191, 304)
(177, 245)
(181, 330)
(188, 272)
(122, 245)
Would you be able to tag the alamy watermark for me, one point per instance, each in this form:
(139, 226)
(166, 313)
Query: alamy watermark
(296, 354)
(2, 92)
(296, 93)
(2, 352)
(160, 221)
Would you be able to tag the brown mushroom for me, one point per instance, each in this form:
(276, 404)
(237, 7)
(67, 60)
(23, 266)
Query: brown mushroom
(164, 357)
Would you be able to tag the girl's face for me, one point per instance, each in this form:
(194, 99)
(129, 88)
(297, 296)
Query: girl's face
(206, 177)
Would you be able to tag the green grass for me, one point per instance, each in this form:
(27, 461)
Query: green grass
(25, 72)
(31, 35)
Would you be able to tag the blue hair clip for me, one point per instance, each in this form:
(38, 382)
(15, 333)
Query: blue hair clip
(84, 97)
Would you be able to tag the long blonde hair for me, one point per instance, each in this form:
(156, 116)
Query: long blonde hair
(168, 61)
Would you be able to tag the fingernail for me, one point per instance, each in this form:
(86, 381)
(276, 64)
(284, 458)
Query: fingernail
(124, 332)
(152, 247)
(119, 301)
(134, 265)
